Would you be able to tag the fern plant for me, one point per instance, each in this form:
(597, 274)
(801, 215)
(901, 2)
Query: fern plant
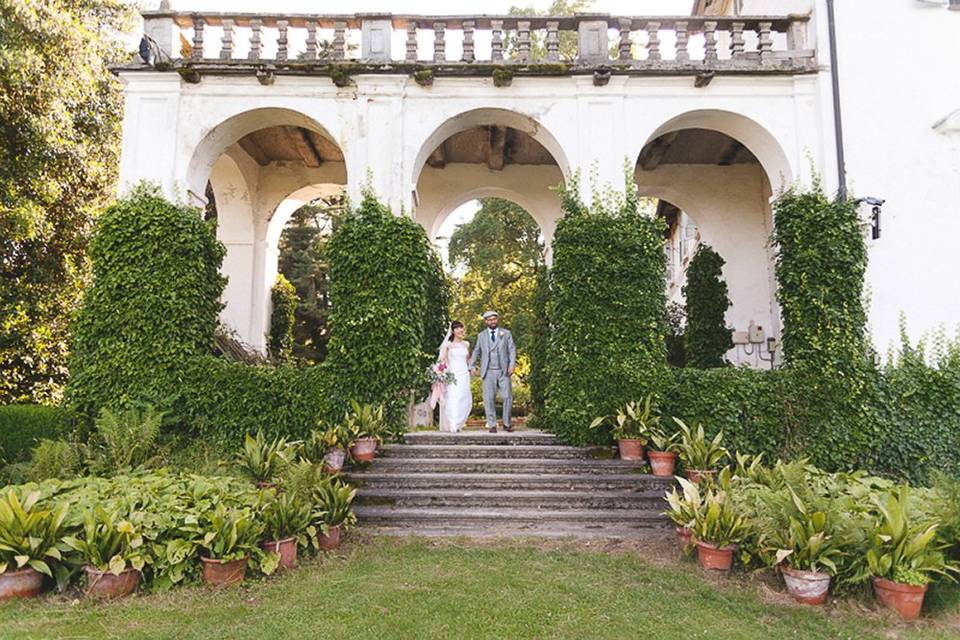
(124, 440)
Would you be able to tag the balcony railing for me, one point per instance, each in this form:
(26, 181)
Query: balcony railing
(461, 45)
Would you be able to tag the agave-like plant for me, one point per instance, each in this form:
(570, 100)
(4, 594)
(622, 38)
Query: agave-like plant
(805, 541)
(263, 461)
(363, 421)
(696, 452)
(718, 521)
(685, 507)
(288, 515)
(901, 550)
(334, 500)
(632, 421)
(32, 535)
(109, 542)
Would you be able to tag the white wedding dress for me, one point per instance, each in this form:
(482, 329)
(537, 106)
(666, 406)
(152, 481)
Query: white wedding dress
(457, 398)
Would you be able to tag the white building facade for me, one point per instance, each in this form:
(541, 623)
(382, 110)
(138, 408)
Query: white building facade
(711, 114)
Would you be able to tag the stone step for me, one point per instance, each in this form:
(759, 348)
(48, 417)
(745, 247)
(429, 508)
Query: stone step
(649, 500)
(543, 451)
(570, 482)
(506, 465)
(507, 517)
(501, 438)
(538, 530)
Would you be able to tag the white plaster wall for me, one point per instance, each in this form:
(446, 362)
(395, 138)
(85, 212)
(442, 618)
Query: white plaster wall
(898, 80)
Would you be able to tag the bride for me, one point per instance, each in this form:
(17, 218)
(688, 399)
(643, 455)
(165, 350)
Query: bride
(458, 399)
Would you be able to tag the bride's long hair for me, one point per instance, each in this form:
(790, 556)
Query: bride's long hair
(456, 324)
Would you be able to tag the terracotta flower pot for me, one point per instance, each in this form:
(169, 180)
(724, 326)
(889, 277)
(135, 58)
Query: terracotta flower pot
(697, 475)
(716, 558)
(630, 449)
(333, 461)
(662, 462)
(331, 540)
(103, 585)
(905, 599)
(222, 572)
(684, 535)
(287, 548)
(808, 587)
(22, 583)
(364, 449)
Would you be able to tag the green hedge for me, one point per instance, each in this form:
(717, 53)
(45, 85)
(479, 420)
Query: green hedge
(707, 337)
(283, 297)
(22, 425)
(154, 301)
(607, 296)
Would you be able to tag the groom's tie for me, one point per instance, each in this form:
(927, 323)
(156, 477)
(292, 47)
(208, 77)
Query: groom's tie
(493, 336)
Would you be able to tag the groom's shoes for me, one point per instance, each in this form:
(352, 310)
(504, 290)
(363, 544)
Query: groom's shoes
(492, 429)
(508, 428)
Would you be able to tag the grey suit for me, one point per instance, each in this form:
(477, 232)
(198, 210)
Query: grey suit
(497, 356)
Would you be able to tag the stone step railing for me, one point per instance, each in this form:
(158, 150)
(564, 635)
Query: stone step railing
(656, 43)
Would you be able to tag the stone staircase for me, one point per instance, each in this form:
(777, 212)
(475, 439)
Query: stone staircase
(519, 484)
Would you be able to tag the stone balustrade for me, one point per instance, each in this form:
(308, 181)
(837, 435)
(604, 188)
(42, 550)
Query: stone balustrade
(461, 45)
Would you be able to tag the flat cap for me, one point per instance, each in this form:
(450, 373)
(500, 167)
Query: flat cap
(488, 314)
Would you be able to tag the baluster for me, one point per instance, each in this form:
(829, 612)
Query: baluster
(766, 43)
(339, 40)
(256, 45)
(496, 45)
(736, 40)
(439, 44)
(653, 41)
(523, 41)
(468, 26)
(226, 42)
(282, 40)
(311, 53)
(683, 39)
(412, 41)
(625, 46)
(710, 38)
(553, 41)
(197, 52)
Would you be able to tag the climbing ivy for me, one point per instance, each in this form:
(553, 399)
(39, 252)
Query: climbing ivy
(154, 302)
(606, 309)
(707, 337)
(283, 297)
(539, 345)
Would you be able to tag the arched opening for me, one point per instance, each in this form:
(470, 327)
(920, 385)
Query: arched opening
(714, 175)
(260, 167)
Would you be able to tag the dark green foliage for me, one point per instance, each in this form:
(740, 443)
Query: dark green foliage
(283, 297)
(707, 337)
(436, 321)
(499, 252)
(606, 309)
(224, 400)
(821, 259)
(381, 272)
(59, 150)
(539, 344)
(22, 426)
(675, 336)
(153, 303)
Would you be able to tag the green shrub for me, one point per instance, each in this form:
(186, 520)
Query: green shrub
(384, 283)
(154, 301)
(283, 296)
(606, 309)
(55, 459)
(539, 373)
(707, 337)
(23, 425)
(124, 440)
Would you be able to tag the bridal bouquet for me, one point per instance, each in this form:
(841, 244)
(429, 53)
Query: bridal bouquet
(439, 374)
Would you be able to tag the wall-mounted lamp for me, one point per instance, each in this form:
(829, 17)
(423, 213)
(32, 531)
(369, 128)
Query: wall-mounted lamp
(875, 204)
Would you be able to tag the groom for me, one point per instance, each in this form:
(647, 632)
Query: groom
(498, 360)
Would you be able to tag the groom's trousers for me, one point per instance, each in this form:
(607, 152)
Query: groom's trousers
(497, 380)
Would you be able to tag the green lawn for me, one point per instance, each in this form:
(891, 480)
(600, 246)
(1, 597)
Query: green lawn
(423, 589)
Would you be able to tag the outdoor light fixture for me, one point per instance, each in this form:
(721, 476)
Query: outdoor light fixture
(875, 204)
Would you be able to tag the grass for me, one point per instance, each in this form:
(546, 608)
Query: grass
(385, 588)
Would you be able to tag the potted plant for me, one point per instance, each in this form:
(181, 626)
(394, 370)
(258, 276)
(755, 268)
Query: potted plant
(717, 528)
(684, 510)
(31, 539)
(230, 536)
(805, 553)
(336, 440)
(112, 549)
(663, 455)
(333, 512)
(902, 556)
(365, 424)
(699, 455)
(630, 427)
(285, 519)
(263, 461)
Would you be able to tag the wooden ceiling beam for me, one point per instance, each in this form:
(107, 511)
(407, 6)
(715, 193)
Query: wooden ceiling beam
(728, 154)
(304, 146)
(254, 150)
(438, 159)
(653, 154)
(497, 148)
